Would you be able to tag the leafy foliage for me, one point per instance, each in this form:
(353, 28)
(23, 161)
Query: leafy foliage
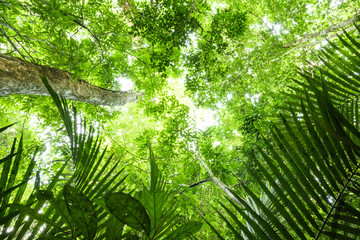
(150, 210)
(233, 57)
(78, 210)
(72, 206)
(312, 158)
(12, 184)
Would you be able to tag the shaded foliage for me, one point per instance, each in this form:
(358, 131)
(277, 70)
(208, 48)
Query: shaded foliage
(312, 158)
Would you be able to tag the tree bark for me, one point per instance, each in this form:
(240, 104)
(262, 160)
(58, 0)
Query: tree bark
(325, 31)
(217, 181)
(21, 77)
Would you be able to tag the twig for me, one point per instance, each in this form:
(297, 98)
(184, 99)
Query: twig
(12, 43)
(172, 169)
(195, 184)
(85, 27)
(125, 148)
(214, 179)
(193, 7)
(259, 19)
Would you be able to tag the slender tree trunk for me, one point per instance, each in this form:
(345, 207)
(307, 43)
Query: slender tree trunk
(217, 181)
(325, 31)
(21, 77)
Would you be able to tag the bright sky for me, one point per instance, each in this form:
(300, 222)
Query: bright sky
(203, 118)
(126, 84)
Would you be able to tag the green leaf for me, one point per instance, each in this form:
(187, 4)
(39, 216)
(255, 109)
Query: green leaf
(6, 127)
(5, 171)
(114, 228)
(154, 171)
(185, 230)
(37, 181)
(44, 195)
(81, 210)
(34, 214)
(8, 157)
(130, 236)
(8, 191)
(61, 210)
(236, 233)
(8, 218)
(214, 229)
(153, 203)
(54, 238)
(128, 210)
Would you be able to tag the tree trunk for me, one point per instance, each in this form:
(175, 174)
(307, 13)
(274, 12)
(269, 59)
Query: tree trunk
(325, 31)
(21, 77)
(217, 181)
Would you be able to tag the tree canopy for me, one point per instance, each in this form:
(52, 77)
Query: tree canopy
(160, 110)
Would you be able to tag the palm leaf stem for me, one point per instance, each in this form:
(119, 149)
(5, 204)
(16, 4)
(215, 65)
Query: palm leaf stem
(336, 201)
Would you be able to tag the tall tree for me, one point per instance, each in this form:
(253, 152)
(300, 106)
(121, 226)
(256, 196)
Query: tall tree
(182, 56)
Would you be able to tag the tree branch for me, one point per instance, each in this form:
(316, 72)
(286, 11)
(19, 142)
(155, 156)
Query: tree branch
(11, 42)
(22, 77)
(193, 7)
(217, 181)
(195, 184)
(260, 19)
(312, 43)
(325, 31)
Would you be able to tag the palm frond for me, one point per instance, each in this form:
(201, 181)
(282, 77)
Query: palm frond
(12, 185)
(92, 177)
(312, 158)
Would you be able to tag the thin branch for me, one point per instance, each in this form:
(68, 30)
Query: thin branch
(259, 19)
(12, 43)
(238, 184)
(326, 31)
(202, 29)
(112, 33)
(195, 184)
(124, 148)
(171, 167)
(312, 43)
(85, 27)
(193, 7)
(32, 59)
(215, 180)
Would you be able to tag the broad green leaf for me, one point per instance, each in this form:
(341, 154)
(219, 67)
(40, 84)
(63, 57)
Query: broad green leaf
(81, 210)
(153, 203)
(185, 230)
(154, 171)
(114, 228)
(128, 210)
(44, 194)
